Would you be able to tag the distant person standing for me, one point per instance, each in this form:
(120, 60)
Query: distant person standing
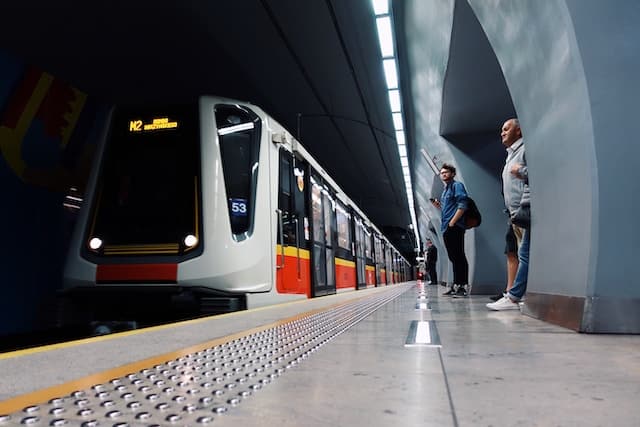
(515, 187)
(431, 259)
(453, 203)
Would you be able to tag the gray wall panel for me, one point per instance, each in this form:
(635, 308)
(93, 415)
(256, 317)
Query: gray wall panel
(536, 48)
(612, 67)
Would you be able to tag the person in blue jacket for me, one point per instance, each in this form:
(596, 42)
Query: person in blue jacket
(453, 204)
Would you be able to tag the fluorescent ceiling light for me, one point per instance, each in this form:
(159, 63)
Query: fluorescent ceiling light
(394, 100)
(236, 128)
(404, 161)
(397, 121)
(402, 150)
(390, 73)
(400, 137)
(380, 7)
(385, 36)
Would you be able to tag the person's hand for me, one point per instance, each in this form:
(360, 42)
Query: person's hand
(436, 203)
(515, 169)
(452, 224)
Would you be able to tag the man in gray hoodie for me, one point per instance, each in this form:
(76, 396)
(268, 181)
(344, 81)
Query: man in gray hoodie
(515, 181)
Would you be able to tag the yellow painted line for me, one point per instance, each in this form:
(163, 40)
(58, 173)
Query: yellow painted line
(345, 263)
(293, 251)
(19, 402)
(100, 338)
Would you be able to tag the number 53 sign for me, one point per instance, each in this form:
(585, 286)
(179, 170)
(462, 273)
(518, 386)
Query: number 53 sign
(238, 207)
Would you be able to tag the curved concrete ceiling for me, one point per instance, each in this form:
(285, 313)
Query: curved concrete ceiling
(318, 58)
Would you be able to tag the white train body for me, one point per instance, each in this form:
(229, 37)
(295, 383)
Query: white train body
(201, 216)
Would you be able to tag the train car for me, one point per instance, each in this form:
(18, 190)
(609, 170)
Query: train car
(208, 208)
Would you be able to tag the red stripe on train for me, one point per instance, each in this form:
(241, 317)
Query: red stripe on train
(137, 273)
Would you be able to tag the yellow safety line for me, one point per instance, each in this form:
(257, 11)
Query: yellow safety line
(19, 402)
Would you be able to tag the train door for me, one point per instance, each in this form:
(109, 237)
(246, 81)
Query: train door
(359, 249)
(323, 225)
(294, 271)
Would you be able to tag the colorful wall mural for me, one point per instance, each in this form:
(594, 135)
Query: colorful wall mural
(48, 131)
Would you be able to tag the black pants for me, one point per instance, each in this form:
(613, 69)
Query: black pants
(431, 271)
(454, 242)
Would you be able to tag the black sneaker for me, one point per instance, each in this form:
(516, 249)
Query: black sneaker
(449, 293)
(460, 293)
(496, 297)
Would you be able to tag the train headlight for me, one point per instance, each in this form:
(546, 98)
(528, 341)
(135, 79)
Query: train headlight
(190, 241)
(95, 243)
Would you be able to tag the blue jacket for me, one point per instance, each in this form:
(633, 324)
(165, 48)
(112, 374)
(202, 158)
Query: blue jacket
(453, 197)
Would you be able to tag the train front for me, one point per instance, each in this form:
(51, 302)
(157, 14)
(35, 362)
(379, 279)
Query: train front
(138, 250)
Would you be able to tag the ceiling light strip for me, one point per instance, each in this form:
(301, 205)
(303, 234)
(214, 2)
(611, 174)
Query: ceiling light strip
(384, 24)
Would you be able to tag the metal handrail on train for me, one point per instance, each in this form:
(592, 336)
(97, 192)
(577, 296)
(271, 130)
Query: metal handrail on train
(297, 245)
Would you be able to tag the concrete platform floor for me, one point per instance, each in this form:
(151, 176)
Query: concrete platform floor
(490, 369)
(493, 369)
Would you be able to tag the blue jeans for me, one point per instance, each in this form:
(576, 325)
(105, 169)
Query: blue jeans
(520, 284)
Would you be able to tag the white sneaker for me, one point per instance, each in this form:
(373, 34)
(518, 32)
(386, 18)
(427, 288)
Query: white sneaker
(502, 304)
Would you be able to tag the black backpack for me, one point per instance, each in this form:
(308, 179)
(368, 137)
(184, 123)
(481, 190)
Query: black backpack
(472, 217)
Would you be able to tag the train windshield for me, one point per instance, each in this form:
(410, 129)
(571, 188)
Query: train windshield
(147, 200)
(239, 138)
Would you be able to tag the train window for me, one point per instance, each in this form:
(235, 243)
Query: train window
(285, 202)
(367, 244)
(329, 222)
(316, 206)
(344, 229)
(239, 135)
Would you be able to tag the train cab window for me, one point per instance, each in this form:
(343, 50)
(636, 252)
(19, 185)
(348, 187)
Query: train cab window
(148, 190)
(344, 229)
(239, 136)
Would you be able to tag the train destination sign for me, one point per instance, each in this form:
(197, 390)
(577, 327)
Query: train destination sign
(156, 124)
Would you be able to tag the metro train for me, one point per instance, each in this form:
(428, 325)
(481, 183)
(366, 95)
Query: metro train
(209, 208)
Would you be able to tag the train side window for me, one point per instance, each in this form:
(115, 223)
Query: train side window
(329, 218)
(239, 136)
(367, 244)
(344, 230)
(285, 200)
